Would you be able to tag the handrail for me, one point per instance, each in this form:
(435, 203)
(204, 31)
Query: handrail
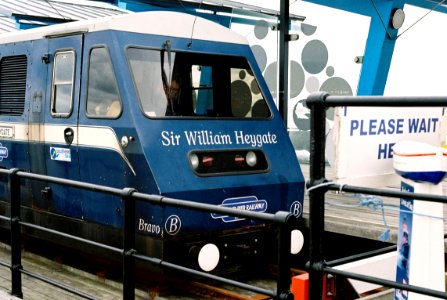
(285, 220)
(318, 103)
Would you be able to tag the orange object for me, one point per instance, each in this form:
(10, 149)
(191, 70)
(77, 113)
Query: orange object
(300, 286)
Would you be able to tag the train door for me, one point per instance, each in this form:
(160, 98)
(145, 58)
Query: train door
(105, 132)
(61, 122)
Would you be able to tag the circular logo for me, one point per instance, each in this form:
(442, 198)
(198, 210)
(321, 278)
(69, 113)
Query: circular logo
(296, 208)
(173, 225)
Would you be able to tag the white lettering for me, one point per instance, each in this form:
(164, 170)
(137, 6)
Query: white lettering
(407, 204)
(208, 137)
(7, 132)
(170, 139)
(173, 225)
(204, 138)
(255, 140)
(147, 227)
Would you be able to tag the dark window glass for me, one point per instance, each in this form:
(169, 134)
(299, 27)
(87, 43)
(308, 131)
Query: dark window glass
(103, 100)
(177, 84)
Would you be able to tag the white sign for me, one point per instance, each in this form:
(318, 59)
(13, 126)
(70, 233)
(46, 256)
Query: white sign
(363, 139)
(6, 132)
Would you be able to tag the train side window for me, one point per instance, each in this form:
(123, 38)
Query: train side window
(195, 85)
(202, 89)
(63, 77)
(13, 71)
(145, 67)
(246, 98)
(103, 99)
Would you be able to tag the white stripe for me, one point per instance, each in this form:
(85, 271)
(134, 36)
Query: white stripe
(102, 138)
(20, 131)
(99, 137)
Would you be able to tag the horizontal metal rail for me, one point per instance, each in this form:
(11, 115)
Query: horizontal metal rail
(359, 256)
(325, 100)
(387, 193)
(279, 217)
(318, 185)
(384, 282)
(285, 220)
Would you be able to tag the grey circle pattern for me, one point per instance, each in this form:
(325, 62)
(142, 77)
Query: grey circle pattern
(336, 86)
(330, 71)
(261, 29)
(242, 74)
(314, 56)
(296, 79)
(255, 87)
(312, 84)
(240, 98)
(301, 123)
(260, 55)
(260, 109)
(300, 139)
(308, 29)
(270, 77)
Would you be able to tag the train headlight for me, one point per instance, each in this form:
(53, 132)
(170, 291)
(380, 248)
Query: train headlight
(251, 159)
(296, 241)
(208, 257)
(194, 159)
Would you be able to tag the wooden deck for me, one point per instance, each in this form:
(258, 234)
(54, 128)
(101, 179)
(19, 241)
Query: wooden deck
(34, 289)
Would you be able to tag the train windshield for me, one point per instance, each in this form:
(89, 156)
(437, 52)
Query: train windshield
(177, 84)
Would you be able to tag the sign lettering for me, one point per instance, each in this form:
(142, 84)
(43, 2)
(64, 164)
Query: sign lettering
(208, 137)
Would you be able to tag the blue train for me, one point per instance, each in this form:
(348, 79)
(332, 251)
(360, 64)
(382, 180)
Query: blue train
(167, 103)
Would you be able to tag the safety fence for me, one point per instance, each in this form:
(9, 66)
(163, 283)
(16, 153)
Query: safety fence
(285, 222)
(318, 185)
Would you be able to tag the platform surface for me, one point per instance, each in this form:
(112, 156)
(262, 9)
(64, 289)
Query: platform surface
(344, 214)
(34, 289)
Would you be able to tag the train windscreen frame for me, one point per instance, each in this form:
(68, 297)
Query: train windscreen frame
(173, 84)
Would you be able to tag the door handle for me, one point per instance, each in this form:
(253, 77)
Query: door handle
(68, 135)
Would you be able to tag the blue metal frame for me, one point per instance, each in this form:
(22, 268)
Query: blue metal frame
(379, 47)
(380, 43)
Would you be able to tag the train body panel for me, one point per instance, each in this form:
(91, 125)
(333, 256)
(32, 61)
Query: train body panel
(175, 110)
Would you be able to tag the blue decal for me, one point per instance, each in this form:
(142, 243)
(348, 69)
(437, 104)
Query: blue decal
(60, 154)
(3, 152)
(250, 203)
(53, 153)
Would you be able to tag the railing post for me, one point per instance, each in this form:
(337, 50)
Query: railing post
(315, 102)
(128, 244)
(284, 276)
(16, 255)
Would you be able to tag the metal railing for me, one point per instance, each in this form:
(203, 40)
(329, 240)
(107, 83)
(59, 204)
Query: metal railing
(318, 104)
(284, 220)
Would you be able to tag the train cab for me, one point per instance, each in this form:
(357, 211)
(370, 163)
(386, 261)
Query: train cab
(167, 103)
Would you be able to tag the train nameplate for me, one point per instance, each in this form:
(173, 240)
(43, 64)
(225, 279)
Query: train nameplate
(6, 132)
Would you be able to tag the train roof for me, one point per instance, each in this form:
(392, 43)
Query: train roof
(166, 23)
